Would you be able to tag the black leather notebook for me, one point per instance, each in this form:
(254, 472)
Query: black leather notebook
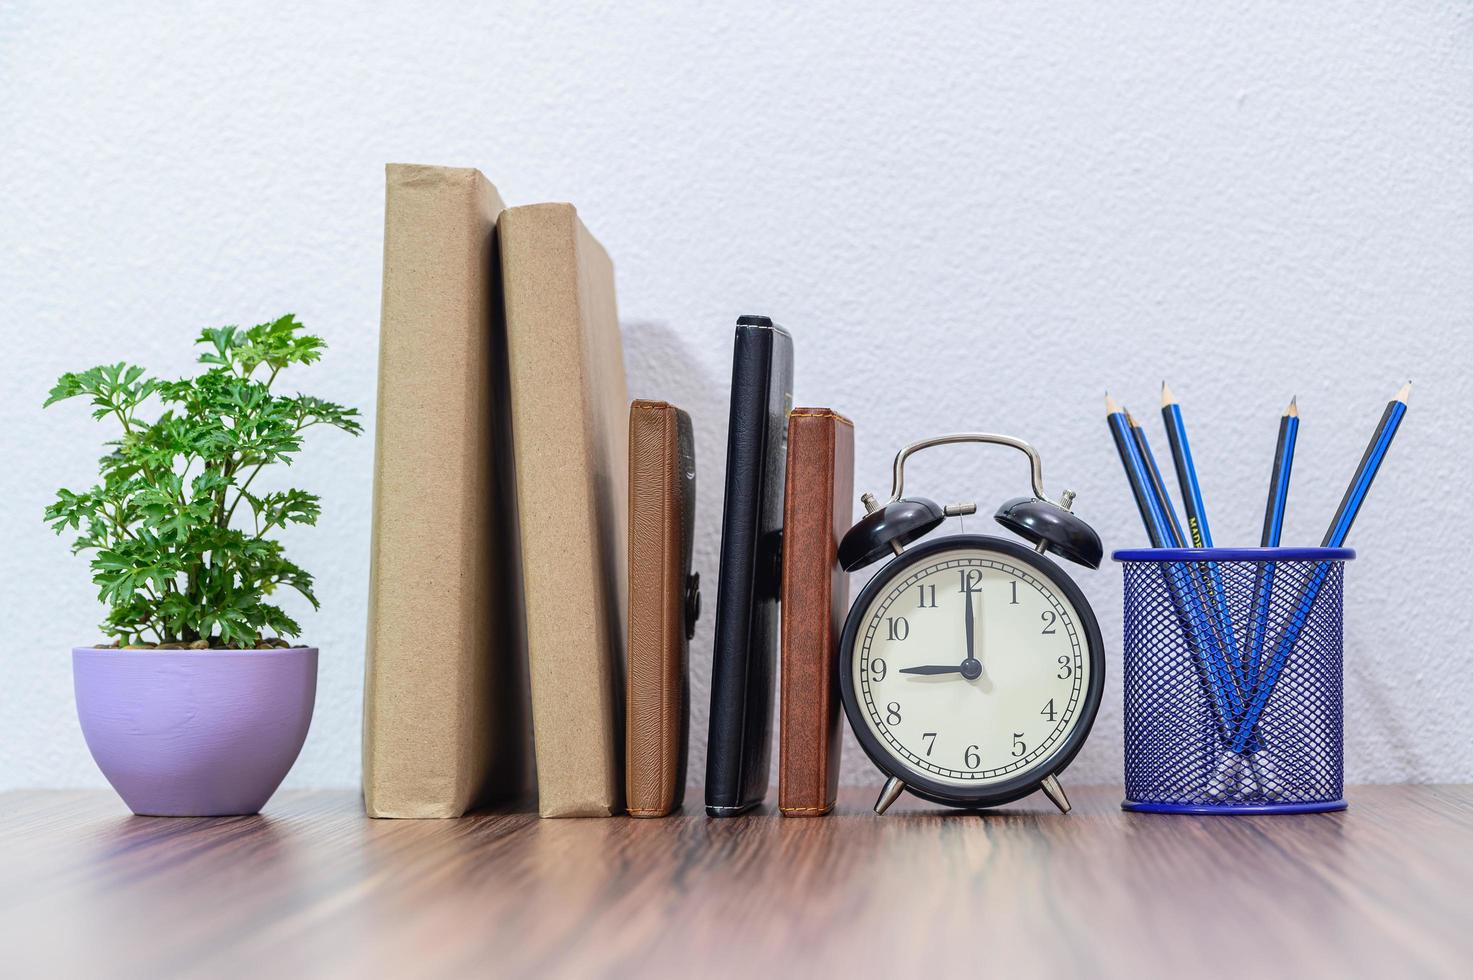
(739, 747)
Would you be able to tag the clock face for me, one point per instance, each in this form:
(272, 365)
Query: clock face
(971, 667)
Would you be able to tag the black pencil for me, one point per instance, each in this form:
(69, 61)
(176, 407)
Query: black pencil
(1278, 481)
(1365, 473)
(1134, 475)
(1157, 486)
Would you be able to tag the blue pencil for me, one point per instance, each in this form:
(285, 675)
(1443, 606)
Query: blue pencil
(1350, 505)
(1201, 533)
(1186, 470)
(1273, 527)
(1224, 693)
(1218, 622)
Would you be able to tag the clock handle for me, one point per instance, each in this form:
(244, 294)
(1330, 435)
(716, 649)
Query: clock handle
(894, 786)
(897, 485)
(1055, 792)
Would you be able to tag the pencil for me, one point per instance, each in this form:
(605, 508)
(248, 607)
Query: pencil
(1223, 627)
(1360, 484)
(1196, 514)
(1154, 482)
(1273, 526)
(1135, 475)
(1186, 470)
(1278, 480)
(1219, 679)
(1350, 505)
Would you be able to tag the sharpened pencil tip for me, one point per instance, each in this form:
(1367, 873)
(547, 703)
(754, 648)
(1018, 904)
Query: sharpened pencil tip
(1404, 394)
(1167, 398)
(1130, 420)
(1293, 409)
(1112, 407)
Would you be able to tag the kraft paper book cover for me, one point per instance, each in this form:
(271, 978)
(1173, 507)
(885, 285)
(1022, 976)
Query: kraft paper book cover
(569, 405)
(445, 713)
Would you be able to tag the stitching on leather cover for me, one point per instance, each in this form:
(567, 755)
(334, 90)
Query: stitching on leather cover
(796, 414)
(819, 716)
(821, 771)
(784, 661)
(668, 437)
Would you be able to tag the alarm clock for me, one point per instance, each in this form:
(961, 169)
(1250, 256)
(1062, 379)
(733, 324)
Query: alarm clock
(971, 666)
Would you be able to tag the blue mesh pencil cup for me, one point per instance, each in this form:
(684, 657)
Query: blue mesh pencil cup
(1233, 679)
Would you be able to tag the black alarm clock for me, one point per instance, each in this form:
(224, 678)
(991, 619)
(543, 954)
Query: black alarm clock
(971, 666)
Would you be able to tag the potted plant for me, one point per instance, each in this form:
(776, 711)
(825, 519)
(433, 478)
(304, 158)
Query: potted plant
(198, 706)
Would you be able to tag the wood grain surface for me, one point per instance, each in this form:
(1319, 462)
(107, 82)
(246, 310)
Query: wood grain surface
(312, 887)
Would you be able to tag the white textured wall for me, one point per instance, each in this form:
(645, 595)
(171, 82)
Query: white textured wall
(970, 219)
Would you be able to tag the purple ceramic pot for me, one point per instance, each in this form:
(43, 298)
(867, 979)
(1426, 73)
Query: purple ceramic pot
(195, 733)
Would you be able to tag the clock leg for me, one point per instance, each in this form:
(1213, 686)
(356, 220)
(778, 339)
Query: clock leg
(1055, 792)
(894, 786)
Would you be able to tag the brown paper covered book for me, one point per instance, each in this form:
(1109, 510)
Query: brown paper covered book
(569, 406)
(445, 688)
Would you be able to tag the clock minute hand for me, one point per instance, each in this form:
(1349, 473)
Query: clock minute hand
(967, 595)
(971, 667)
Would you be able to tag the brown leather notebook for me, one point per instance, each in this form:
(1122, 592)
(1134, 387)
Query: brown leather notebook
(815, 597)
(664, 602)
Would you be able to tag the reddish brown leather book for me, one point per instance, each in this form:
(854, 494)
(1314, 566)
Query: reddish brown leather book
(815, 597)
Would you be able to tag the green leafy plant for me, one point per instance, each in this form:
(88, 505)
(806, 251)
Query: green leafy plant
(182, 549)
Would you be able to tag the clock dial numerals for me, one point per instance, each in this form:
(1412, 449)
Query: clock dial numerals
(971, 721)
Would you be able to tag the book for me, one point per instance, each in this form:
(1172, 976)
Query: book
(569, 404)
(445, 702)
(664, 603)
(744, 652)
(815, 598)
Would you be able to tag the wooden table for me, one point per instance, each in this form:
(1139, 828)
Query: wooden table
(313, 887)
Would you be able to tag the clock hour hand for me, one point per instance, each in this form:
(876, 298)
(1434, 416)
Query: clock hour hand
(933, 669)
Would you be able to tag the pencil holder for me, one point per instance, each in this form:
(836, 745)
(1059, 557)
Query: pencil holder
(1233, 679)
